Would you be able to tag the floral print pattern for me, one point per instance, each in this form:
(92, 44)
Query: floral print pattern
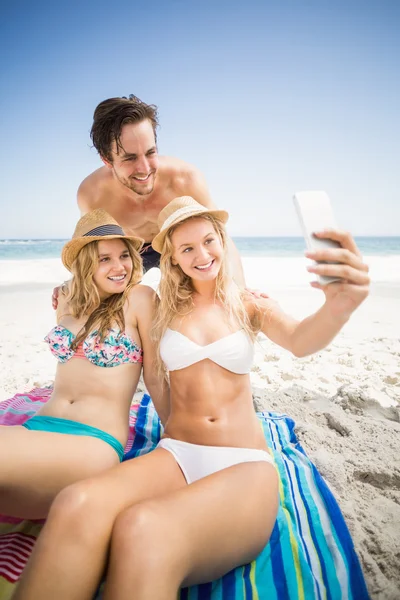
(116, 349)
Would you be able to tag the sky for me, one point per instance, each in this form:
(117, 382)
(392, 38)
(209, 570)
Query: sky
(265, 97)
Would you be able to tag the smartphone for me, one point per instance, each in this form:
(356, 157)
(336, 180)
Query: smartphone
(315, 213)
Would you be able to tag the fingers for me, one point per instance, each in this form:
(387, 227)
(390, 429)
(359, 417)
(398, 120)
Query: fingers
(344, 271)
(344, 238)
(257, 293)
(358, 292)
(54, 298)
(340, 255)
(351, 266)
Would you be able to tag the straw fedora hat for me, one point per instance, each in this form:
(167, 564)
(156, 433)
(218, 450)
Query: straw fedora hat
(95, 225)
(179, 210)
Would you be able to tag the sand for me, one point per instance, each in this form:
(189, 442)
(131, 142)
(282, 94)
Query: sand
(345, 401)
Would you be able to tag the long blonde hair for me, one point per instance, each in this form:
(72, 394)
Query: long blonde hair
(176, 290)
(83, 295)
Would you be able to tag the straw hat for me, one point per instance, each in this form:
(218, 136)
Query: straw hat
(95, 225)
(179, 210)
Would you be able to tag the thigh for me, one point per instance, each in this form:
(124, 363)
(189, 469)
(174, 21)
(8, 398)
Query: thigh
(113, 491)
(40, 463)
(219, 522)
(71, 551)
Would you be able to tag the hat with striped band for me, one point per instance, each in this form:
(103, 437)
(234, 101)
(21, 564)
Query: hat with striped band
(94, 226)
(179, 210)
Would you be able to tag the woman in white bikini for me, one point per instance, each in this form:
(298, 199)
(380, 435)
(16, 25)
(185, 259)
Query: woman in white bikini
(102, 323)
(205, 500)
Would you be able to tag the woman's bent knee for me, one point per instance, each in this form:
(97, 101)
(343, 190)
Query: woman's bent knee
(77, 508)
(142, 531)
(137, 523)
(73, 498)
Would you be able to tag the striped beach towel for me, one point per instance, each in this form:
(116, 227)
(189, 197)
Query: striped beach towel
(310, 555)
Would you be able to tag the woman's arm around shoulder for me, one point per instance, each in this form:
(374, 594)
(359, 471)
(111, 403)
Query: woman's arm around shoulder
(62, 305)
(143, 301)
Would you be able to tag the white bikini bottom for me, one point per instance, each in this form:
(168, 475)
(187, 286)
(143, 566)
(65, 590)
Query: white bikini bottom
(198, 461)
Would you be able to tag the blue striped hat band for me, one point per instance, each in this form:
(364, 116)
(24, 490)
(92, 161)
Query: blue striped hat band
(104, 230)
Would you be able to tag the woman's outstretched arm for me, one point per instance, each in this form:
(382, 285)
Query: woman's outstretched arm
(341, 299)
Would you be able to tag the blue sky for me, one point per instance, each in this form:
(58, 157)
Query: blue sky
(266, 98)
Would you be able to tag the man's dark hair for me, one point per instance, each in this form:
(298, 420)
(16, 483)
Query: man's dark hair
(111, 115)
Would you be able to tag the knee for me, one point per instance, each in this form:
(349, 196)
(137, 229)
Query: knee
(75, 498)
(76, 508)
(141, 531)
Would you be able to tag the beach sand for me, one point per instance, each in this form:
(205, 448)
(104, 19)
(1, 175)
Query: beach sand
(345, 401)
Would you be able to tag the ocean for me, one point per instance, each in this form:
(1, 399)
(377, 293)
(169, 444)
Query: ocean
(265, 259)
(247, 246)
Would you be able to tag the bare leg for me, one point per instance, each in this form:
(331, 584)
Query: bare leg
(70, 555)
(193, 535)
(41, 463)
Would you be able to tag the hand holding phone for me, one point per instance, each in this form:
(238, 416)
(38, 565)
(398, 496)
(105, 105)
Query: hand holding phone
(315, 214)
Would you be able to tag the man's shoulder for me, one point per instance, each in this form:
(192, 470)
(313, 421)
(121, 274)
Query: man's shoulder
(176, 168)
(180, 176)
(183, 179)
(91, 188)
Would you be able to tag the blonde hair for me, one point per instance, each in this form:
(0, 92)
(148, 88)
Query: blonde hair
(83, 296)
(176, 289)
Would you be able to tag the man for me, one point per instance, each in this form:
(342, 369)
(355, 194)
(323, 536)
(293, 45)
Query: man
(135, 184)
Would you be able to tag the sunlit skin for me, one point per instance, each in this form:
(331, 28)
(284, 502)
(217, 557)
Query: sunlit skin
(41, 463)
(164, 533)
(198, 249)
(199, 252)
(135, 184)
(135, 163)
(209, 405)
(114, 268)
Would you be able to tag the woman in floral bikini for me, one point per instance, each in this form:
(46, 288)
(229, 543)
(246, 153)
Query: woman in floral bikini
(102, 322)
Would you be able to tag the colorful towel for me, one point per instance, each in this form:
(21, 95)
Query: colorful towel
(310, 555)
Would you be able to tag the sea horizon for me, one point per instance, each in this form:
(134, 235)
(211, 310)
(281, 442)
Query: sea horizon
(38, 261)
(248, 246)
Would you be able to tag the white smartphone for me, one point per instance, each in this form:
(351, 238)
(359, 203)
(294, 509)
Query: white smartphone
(315, 213)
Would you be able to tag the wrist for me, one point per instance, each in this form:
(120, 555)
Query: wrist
(335, 316)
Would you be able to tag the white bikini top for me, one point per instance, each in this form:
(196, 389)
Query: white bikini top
(234, 352)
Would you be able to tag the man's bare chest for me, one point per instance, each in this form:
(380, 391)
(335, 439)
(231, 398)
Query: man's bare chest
(135, 219)
(137, 216)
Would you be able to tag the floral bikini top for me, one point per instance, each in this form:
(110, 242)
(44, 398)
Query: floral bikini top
(116, 349)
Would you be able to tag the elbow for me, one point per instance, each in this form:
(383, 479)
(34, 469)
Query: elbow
(300, 352)
(299, 344)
